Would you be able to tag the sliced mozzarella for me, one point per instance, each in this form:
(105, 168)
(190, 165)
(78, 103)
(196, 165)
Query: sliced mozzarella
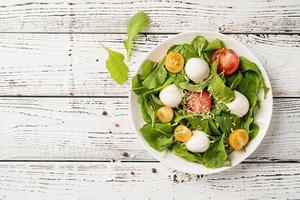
(197, 69)
(240, 105)
(198, 143)
(170, 96)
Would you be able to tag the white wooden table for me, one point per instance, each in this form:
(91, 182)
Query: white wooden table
(55, 142)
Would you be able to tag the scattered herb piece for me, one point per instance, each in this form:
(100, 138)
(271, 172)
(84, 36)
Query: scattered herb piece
(136, 24)
(115, 65)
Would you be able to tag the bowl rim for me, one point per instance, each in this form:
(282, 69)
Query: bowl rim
(153, 152)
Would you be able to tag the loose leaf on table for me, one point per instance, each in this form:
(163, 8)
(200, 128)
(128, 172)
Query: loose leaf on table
(115, 65)
(158, 136)
(216, 154)
(135, 25)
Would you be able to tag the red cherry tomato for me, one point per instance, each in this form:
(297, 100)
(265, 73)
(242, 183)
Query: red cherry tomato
(228, 61)
(198, 102)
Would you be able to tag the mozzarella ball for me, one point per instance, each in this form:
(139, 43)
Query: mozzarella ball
(239, 106)
(198, 143)
(197, 69)
(170, 96)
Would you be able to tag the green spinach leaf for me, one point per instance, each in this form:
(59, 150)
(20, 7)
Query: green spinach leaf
(193, 87)
(199, 43)
(157, 77)
(181, 151)
(246, 66)
(186, 50)
(157, 137)
(216, 154)
(234, 80)
(228, 122)
(136, 84)
(215, 44)
(147, 68)
(219, 90)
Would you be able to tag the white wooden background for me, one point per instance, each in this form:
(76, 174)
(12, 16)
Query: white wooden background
(56, 144)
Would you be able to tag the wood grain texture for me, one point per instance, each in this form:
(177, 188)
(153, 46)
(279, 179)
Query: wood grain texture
(74, 64)
(166, 16)
(76, 129)
(91, 181)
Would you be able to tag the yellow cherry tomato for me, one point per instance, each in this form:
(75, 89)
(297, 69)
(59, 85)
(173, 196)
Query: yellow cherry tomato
(165, 114)
(182, 133)
(238, 139)
(174, 62)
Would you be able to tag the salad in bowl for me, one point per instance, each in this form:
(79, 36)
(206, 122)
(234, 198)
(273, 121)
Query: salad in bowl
(204, 102)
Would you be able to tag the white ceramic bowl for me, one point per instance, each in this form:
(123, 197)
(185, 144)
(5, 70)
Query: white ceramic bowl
(262, 117)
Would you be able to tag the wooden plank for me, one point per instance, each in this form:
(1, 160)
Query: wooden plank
(90, 181)
(76, 129)
(74, 64)
(166, 16)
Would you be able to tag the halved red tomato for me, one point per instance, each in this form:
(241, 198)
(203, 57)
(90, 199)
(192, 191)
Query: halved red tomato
(198, 102)
(228, 61)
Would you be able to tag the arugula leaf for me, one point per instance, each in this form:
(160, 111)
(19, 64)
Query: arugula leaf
(115, 65)
(135, 25)
(157, 137)
(157, 77)
(147, 68)
(215, 44)
(199, 43)
(216, 154)
(181, 151)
